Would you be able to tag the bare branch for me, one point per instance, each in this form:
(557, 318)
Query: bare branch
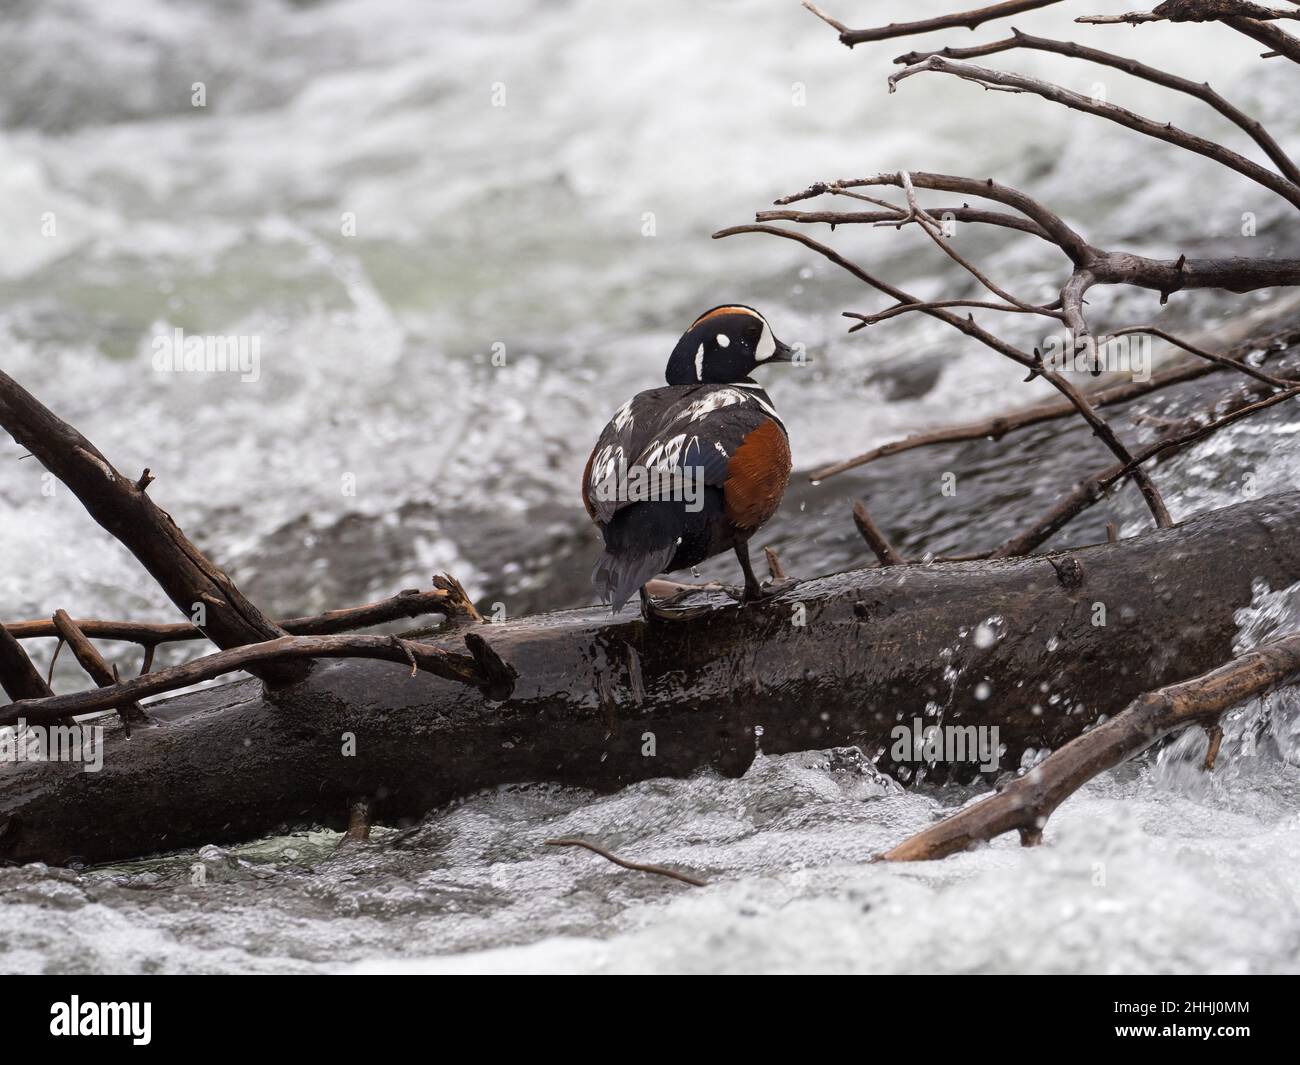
(94, 665)
(124, 509)
(875, 539)
(865, 320)
(1131, 467)
(1058, 232)
(18, 677)
(640, 867)
(1166, 132)
(1235, 274)
(969, 19)
(967, 325)
(957, 214)
(1093, 488)
(1209, 356)
(1230, 13)
(996, 427)
(1072, 303)
(1199, 90)
(461, 668)
(1025, 804)
(1193, 11)
(935, 233)
(1273, 37)
(409, 603)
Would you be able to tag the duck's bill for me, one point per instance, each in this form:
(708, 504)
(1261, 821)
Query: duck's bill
(785, 353)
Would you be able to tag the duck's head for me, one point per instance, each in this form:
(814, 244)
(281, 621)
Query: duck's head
(723, 346)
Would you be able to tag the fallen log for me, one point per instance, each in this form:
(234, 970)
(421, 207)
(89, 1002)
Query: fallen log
(1038, 647)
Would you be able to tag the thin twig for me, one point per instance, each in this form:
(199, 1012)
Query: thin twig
(876, 540)
(996, 427)
(54, 658)
(639, 867)
(865, 320)
(1235, 274)
(1197, 89)
(1092, 489)
(935, 233)
(464, 669)
(410, 603)
(968, 19)
(896, 215)
(1162, 131)
(967, 325)
(774, 568)
(96, 668)
(1209, 356)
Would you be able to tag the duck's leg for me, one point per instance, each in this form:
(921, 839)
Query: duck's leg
(753, 590)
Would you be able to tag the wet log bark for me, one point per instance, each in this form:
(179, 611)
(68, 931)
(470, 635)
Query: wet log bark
(602, 702)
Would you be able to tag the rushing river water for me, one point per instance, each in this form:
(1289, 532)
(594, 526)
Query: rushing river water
(393, 198)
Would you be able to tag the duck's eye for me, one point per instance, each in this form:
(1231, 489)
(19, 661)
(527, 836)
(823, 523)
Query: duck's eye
(724, 341)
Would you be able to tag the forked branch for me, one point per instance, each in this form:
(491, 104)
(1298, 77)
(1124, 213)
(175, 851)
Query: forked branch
(967, 325)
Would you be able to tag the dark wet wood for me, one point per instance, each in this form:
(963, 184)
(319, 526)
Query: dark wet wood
(603, 702)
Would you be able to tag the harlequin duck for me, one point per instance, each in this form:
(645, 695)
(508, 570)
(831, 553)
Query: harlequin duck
(683, 473)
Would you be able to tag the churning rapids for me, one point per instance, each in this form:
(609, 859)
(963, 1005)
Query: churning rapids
(569, 230)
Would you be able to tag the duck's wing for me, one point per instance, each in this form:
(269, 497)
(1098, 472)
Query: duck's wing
(635, 430)
(698, 430)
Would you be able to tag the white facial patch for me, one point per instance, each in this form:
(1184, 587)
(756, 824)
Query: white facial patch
(724, 341)
(699, 363)
(766, 344)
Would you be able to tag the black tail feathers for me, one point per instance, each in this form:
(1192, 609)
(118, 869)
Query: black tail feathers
(617, 578)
